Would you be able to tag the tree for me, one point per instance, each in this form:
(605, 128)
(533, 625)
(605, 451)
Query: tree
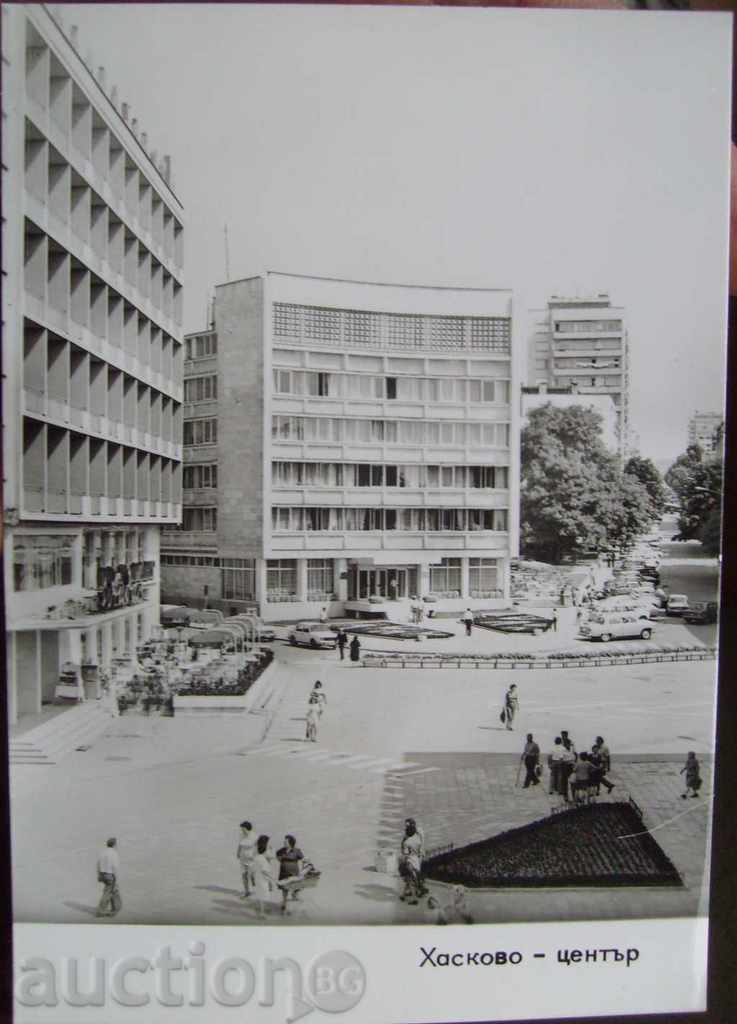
(697, 480)
(649, 476)
(574, 497)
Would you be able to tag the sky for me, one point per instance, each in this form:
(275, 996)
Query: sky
(551, 152)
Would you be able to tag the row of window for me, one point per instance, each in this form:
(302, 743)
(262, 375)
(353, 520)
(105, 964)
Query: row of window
(49, 84)
(603, 381)
(587, 326)
(447, 577)
(201, 389)
(413, 520)
(337, 474)
(200, 432)
(365, 431)
(407, 389)
(201, 346)
(54, 277)
(348, 327)
(205, 475)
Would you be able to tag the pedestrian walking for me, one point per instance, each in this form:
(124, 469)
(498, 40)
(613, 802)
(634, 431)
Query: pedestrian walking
(355, 648)
(312, 720)
(531, 760)
(323, 615)
(511, 706)
(318, 697)
(410, 862)
(554, 625)
(263, 874)
(341, 642)
(693, 776)
(108, 869)
(468, 621)
(290, 859)
(245, 853)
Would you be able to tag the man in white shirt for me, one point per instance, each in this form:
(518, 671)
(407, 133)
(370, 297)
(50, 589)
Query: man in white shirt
(108, 868)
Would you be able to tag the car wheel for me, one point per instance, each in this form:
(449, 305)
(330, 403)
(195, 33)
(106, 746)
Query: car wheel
(293, 641)
(646, 634)
(313, 644)
(605, 637)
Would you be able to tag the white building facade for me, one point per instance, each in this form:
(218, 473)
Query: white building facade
(366, 438)
(92, 365)
(582, 343)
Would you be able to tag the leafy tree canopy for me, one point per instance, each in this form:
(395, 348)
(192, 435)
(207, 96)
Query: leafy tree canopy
(574, 497)
(697, 480)
(649, 476)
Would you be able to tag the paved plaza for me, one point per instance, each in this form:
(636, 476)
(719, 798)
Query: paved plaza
(391, 743)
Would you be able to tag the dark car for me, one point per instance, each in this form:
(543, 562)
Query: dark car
(701, 613)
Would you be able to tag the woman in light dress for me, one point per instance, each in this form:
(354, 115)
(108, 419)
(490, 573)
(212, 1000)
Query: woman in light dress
(264, 879)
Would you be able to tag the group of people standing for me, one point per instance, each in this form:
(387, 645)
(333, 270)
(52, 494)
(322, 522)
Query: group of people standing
(262, 871)
(575, 776)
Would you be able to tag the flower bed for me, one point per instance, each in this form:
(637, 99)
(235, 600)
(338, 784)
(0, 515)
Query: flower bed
(580, 847)
(213, 686)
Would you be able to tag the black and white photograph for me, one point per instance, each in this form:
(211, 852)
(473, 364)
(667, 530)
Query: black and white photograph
(363, 434)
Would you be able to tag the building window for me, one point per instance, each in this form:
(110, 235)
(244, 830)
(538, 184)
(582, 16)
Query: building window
(191, 560)
(281, 579)
(201, 389)
(42, 561)
(201, 346)
(238, 579)
(483, 577)
(588, 326)
(391, 387)
(366, 431)
(198, 432)
(205, 475)
(320, 579)
(445, 578)
(197, 520)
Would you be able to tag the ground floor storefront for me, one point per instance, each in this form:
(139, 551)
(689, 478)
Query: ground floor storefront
(294, 588)
(76, 599)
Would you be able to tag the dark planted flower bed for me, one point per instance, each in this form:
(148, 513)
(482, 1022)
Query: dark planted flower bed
(579, 847)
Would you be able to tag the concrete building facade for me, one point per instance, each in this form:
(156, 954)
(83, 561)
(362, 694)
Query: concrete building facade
(92, 363)
(365, 441)
(582, 343)
(702, 430)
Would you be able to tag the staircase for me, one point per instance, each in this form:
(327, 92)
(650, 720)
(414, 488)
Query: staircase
(49, 742)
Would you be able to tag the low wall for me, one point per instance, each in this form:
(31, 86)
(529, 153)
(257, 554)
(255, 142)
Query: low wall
(191, 705)
(469, 661)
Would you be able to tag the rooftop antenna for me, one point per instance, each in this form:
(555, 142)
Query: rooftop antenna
(227, 255)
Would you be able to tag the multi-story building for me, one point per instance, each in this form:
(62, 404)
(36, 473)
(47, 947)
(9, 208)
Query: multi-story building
(364, 445)
(92, 362)
(563, 398)
(703, 430)
(582, 343)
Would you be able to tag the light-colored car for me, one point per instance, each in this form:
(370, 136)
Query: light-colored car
(616, 626)
(312, 634)
(677, 604)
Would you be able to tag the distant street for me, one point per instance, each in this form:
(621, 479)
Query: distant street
(685, 569)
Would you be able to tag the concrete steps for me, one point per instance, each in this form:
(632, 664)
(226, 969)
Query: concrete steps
(49, 742)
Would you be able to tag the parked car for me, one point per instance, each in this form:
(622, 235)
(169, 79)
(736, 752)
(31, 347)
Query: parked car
(677, 604)
(312, 634)
(265, 635)
(702, 612)
(616, 626)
